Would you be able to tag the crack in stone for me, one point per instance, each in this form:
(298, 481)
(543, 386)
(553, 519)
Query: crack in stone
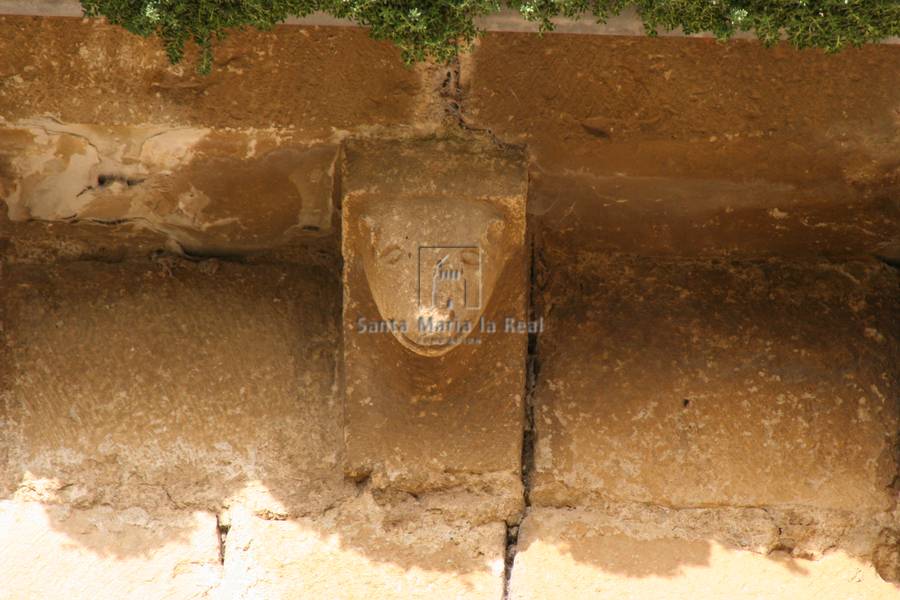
(107, 179)
(528, 431)
(223, 526)
(888, 261)
(451, 93)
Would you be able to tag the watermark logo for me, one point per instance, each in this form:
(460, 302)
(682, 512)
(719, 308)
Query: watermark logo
(449, 278)
(450, 298)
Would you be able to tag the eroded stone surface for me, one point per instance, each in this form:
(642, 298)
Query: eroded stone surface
(716, 423)
(419, 419)
(698, 383)
(653, 107)
(687, 147)
(97, 126)
(211, 192)
(358, 551)
(61, 552)
(159, 387)
(334, 77)
(566, 554)
(172, 384)
(687, 216)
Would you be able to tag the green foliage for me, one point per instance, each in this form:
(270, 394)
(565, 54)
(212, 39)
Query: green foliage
(203, 21)
(437, 28)
(420, 28)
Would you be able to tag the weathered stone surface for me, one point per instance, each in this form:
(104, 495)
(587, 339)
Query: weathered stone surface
(668, 216)
(799, 532)
(334, 77)
(356, 552)
(708, 383)
(686, 147)
(211, 192)
(58, 552)
(715, 423)
(565, 554)
(172, 383)
(97, 126)
(690, 108)
(41, 242)
(429, 410)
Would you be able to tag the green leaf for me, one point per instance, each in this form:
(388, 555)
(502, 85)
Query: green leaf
(437, 29)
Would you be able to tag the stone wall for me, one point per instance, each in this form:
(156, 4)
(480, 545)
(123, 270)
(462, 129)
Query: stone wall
(708, 234)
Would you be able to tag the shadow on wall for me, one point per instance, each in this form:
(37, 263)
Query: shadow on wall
(151, 407)
(172, 383)
(613, 566)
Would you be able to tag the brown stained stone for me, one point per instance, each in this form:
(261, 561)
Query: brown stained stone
(424, 414)
(696, 108)
(128, 554)
(667, 216)
(40, 242)
(334, 78)
(705, 427)
(565, 554)
(355, 552)
(211, 192)
(710, 383)
(692, 147)
(168, 383)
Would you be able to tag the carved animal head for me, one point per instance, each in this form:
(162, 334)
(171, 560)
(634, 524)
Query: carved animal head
(433, 264)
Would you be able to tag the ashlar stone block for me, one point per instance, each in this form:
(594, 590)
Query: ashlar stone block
(692, 383)
(435, 328)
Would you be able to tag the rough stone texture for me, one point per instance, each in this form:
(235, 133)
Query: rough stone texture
(172, 384)
(689, 108)
(650, 145)
(566, 554)
(431, 417)
(799, 532)
(139, 398)
(61, 552)
(97, 126)
(43, 242)
(685, 147)
(708, 383)
(719, 428)
(335, 78)
(358, 551)
(682, 216)
(210, 192)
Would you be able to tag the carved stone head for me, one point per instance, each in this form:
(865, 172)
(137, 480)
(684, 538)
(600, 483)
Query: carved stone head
(432, 264)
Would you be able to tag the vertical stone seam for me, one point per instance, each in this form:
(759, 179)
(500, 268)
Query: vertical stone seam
(222, 527)
(452, 95)
(532, 369)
